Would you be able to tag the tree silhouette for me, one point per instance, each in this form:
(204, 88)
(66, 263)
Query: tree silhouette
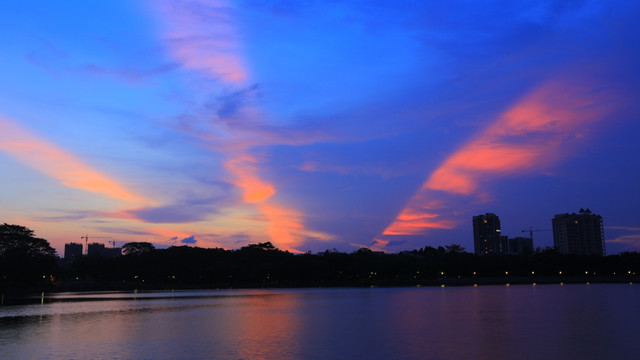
(19, 238)
(24, 258)
(454, 249)
(267, 246)
(137, 248)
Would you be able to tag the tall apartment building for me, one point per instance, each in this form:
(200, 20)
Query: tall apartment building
(72, 251)
(99, 250)
(581, 233)
(487, 237)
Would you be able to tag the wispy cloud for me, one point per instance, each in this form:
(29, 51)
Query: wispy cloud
(254, 189)
(527, 137)
(122, 231)
(536, 133)
(181, 212)
(285, 226)
(626, 228)
(204, 38)
(56, 163)
(626, 237)
(628, 242)
(128, 74)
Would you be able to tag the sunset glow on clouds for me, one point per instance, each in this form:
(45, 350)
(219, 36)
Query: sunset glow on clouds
(211, 44)
(202, 36)
(317, 125)
(536, 133)
(254, 189)
(60, 165)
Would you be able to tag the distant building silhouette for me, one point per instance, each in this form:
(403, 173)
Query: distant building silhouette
(487, 237)
(581, 233)
(99, 250)
(520, 245)
(72, 251)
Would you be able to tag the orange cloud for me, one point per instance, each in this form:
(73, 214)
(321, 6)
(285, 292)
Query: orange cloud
(413, 221)
(459, 174)
(534, 134)
(254, 189)
(379, 245)
(58, 164)
(285, 226)
(526, 137)
(213, 47)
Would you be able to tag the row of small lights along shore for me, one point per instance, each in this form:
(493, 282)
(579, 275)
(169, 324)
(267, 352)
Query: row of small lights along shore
(442, 273)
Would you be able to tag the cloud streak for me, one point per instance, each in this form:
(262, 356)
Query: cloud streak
(254, 189)
(204, 38)
(628, 242)
(537, 132)
(56, 163)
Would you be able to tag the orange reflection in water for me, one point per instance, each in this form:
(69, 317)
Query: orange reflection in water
(271, 326)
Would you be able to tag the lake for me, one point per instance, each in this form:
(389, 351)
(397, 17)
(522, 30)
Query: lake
(598, 321)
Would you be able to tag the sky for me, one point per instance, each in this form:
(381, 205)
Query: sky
(318, 124)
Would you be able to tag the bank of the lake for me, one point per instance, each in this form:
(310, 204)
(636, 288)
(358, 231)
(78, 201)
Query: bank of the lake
(263, 266)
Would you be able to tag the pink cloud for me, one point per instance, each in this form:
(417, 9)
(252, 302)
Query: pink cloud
(203, 36)
(54, 162)
(629, 242)
(284, 225)
(533, 135)
(379, 244)
(254, 189)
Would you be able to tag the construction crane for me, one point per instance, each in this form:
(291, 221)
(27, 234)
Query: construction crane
(530, 230)
(86, 241)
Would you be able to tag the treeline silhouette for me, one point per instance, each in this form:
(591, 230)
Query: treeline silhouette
(262, 265)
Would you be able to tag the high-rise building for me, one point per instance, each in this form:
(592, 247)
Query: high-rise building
(72, 251)
(487, 237)
(581, 233)
(99, 250)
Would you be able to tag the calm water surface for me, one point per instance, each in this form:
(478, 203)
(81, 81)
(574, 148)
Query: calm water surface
(492, 322)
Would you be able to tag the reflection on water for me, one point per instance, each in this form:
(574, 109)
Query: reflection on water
(493, 322)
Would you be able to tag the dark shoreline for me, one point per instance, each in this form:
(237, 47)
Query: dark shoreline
(22, 295)
(262, 266)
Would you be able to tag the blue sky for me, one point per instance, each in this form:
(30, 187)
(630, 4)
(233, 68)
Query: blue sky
(317, 125)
